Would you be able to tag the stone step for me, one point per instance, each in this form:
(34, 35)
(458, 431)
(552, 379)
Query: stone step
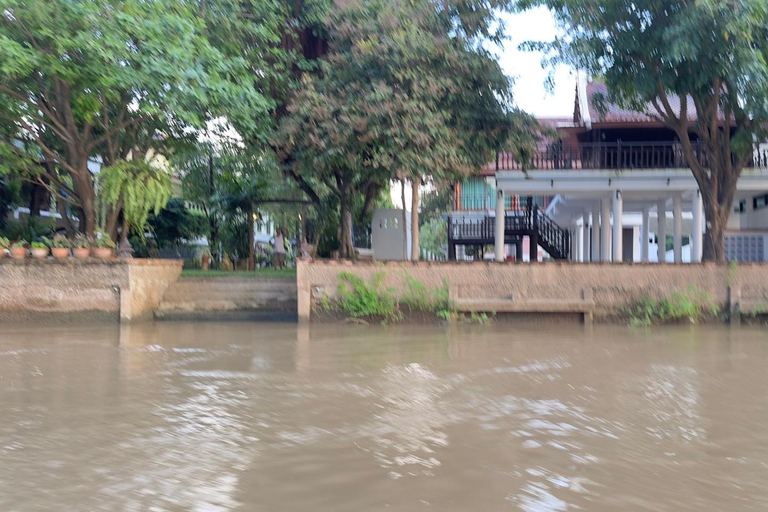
(226, 305)
(175, 295)
(227, 316)
(225, 284)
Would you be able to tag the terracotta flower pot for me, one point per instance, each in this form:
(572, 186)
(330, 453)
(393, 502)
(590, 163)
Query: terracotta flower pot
(102, 253)
(18, 253)
(40, 253)
(81, 253)
(60, 253)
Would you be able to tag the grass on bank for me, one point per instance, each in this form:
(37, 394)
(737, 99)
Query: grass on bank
(261, 273)
(371, 300)
(691, 305)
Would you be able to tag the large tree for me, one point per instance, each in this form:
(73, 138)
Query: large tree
(79, 77)
(406, 91)
(711, 54)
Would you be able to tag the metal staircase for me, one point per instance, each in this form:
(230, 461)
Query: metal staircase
(533, 223)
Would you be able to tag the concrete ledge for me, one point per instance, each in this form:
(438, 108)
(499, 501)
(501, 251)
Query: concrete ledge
(602, 290)
(128, 290)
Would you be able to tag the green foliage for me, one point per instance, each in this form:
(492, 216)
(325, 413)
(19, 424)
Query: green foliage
(81, 241)
(175, 223)
(234, 237)
(360, 299)
(33, 228)
(38, 245)
(4, 243)
(418, 297)
(20, 244)
(83, 78)
(380, 110)
(690, 305)
(139, 187)
(102, 240)
(60, 242)
(433, 236)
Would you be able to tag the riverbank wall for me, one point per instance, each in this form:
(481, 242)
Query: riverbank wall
(599, 291)
(84, 291)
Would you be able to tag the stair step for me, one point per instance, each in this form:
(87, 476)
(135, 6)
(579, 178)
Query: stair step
(226, 305)
(227, 316)
(173, 295)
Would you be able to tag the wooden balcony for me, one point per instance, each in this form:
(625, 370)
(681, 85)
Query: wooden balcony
(615, 155)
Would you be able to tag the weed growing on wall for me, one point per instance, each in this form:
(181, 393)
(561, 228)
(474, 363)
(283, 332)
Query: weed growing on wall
(358, 298)
(690, 305)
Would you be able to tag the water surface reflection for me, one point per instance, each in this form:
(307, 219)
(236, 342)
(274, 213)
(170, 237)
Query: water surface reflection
(220, 417)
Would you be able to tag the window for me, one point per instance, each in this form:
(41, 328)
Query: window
(741, 207)
(760, 202)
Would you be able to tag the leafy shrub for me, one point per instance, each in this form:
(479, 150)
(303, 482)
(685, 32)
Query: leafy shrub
(691, 305)
(81, 241)
(4, 243)
(60, 242)
(103, 241)
(360, 299)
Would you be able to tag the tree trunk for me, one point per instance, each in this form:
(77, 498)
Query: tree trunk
(82, 185)
(714, 237)
(251, 241)
(415, 220)
(346, 247)
(405, 221)
(113, 219)
(124, 232)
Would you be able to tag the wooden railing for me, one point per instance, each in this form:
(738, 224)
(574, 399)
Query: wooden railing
(616, 155)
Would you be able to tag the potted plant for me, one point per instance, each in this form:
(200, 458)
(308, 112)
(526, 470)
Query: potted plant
(39, 250)
(4, 244)
(19, 250)
(81, 247)
(102, 246)
(60, 247)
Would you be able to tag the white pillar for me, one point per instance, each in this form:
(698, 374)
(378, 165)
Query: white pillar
(644, 235)
(596, 232)
(661, 234)
(498, 241)
(677, 212)
(585, 238)
(697, 245)
(605, 231)
(618, 224)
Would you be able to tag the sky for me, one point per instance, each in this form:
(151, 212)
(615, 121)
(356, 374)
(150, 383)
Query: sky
(525, 67)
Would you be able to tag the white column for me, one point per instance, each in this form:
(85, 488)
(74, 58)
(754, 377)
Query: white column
(661, 234)
(644, 235)
(498, 241)
(677, 212)
(585, 238)
(596, 232)
(697, 245)
(605, 231)
(618, 224)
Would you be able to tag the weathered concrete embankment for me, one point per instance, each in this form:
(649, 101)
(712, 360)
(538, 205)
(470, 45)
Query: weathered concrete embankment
(599, 291)
(230, 298)
(83, 291)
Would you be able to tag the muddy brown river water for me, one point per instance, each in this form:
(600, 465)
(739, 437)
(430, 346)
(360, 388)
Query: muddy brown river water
(262, 417)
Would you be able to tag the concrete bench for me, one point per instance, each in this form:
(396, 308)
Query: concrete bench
(584, 306)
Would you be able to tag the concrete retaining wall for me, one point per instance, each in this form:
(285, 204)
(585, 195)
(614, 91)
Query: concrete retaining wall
(92, 290)
(610, 286)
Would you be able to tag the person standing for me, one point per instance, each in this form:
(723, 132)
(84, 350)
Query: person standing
(279, 257)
